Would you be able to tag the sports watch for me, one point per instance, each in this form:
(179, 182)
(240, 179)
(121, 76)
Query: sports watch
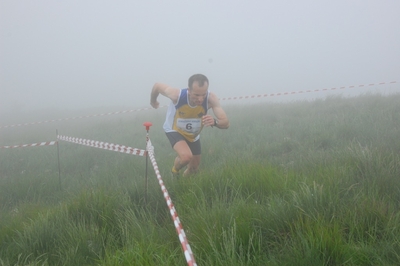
(215, 122)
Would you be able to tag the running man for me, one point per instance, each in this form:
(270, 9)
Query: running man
(186, 117)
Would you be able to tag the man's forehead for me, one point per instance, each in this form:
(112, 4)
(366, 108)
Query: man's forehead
(196, 82)
(197, 86)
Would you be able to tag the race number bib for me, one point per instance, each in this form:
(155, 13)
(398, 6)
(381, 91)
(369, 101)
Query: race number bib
(191, 125)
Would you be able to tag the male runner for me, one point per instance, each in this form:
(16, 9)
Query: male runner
(186, 116)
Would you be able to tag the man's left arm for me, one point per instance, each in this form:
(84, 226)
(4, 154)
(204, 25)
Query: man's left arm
(221, 119)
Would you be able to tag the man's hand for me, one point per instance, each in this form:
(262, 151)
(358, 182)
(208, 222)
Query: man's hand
(164, 90)
(155, 104)
(208, 120)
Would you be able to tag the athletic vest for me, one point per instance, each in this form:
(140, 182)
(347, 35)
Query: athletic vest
(186, 119)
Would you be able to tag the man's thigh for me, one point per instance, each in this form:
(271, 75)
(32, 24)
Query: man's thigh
(175, 137)
(182, 148)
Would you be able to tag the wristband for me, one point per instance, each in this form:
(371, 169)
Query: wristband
(215, 122)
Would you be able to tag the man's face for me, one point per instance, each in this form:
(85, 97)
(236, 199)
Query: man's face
(197, 94)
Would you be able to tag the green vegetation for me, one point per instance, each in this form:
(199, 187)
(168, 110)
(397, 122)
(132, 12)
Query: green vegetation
(302, 183)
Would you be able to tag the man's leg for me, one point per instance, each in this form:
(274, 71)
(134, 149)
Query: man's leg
(193, 165)
(184, 155)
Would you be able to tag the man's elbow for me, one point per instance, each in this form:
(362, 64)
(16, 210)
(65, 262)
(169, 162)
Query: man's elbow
(226, 125)
(156, 86)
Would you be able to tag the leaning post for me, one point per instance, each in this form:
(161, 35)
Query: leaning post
(147, 125)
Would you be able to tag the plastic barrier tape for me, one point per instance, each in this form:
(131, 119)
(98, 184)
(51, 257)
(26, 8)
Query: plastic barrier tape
(104, 145)
(178, 226)
(49, 143)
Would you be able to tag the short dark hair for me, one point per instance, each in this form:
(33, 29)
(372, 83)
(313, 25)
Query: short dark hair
(200, 78)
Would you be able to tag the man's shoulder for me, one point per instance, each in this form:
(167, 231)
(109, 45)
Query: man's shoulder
(212, 100)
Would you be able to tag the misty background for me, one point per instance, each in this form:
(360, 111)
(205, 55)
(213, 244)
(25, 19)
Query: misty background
(80, 54)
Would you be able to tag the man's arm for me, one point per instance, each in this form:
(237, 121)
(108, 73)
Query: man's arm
(165, 90)
(222, 119)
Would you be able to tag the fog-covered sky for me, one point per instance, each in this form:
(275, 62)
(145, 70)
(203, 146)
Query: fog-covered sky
(74, 54)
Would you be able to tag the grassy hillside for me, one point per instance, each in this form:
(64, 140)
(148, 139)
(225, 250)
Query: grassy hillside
(302, 183)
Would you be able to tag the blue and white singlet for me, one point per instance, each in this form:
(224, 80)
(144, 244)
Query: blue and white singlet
(184, 118)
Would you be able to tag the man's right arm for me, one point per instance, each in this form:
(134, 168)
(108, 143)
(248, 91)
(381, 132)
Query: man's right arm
(165, 90)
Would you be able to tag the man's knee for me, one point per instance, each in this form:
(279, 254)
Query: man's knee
(185, 158)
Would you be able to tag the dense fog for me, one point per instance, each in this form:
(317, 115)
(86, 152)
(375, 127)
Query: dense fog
(84, 54)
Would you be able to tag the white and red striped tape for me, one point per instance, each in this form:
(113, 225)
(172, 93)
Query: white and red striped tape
(299, 92)
(49, 143)
(104, 145)
(178, 226)
(222, 99)
(77, 117)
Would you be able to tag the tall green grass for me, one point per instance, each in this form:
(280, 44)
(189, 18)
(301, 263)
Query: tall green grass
(302, 183)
